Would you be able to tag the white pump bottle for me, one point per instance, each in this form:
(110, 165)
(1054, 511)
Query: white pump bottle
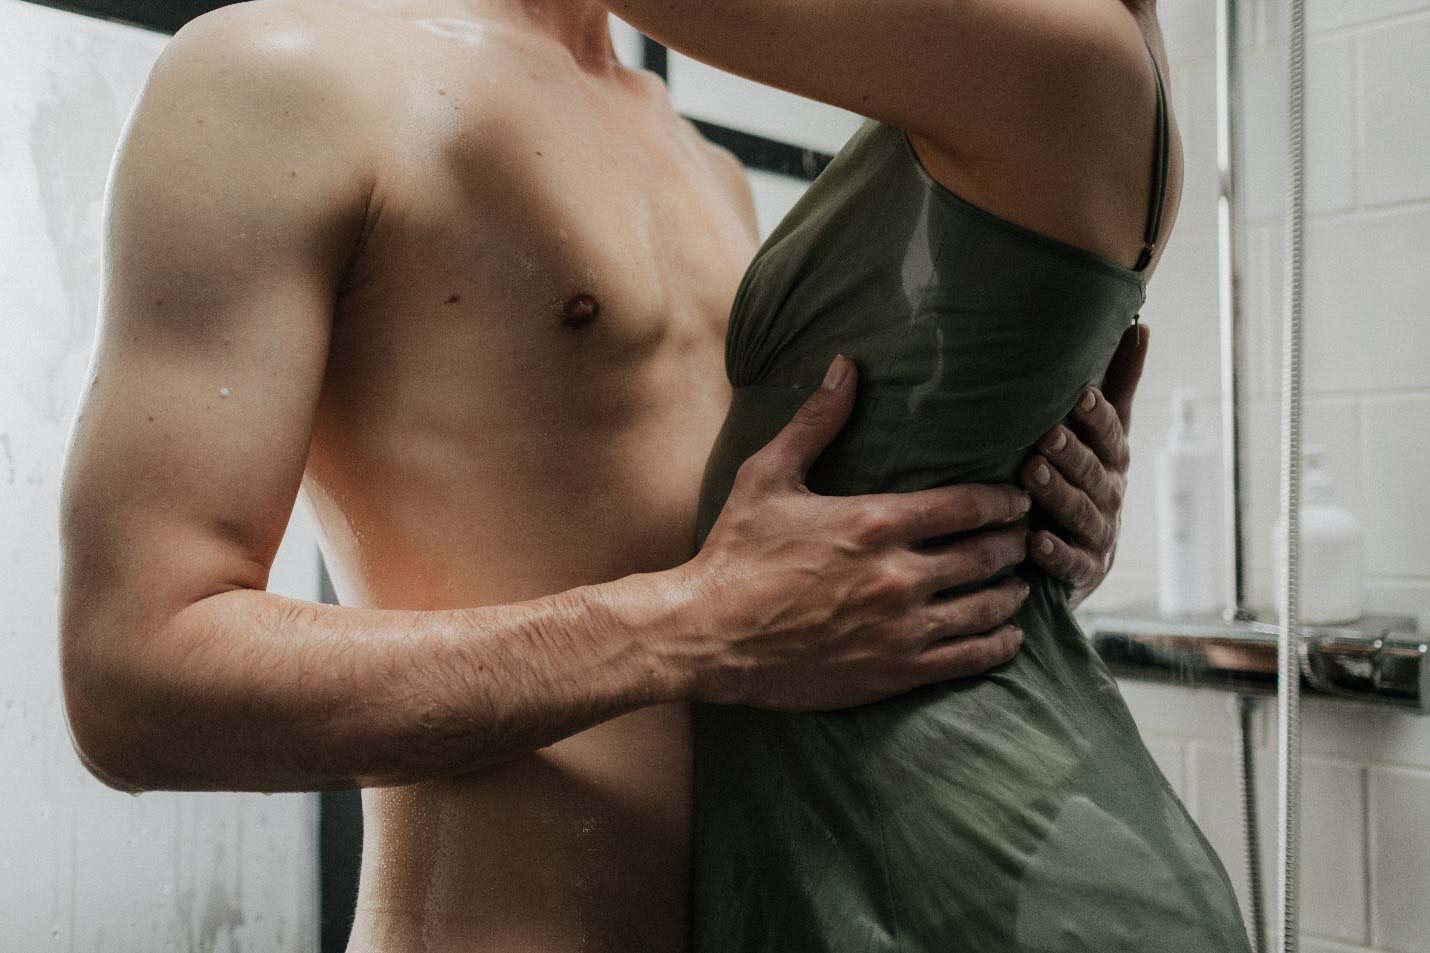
(1331, 550)
(1188, 515)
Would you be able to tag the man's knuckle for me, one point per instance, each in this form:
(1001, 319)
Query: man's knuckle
(804, 421)
(994, 505)
(1017, 546)
(984, 654)
(1106, 537)
(1014, 595)
(1109, 436)
(1084, 569)
(873, 523)
(1116, 492)
(1104, 413)
(812, 415)
(969, 615)
(990, 613)
(974, 504)
(1089, 517)
(988, 558)
(889, 584)
(755, 468)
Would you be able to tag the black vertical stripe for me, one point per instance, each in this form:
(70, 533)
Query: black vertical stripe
(655, 58)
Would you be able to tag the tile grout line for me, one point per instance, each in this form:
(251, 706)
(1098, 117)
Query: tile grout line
(1367, 860)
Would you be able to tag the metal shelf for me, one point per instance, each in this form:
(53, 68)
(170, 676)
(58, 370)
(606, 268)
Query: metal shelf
(1379, 660)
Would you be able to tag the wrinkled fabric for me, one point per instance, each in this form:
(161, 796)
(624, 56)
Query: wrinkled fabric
(1019, 811)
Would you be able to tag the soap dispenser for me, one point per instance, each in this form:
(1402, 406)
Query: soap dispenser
(1331, 549)
(1188, 515)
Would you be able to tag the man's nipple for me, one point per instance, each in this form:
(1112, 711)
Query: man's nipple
(580, 310)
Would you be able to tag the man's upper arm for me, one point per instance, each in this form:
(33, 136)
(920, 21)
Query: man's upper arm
(232, 209)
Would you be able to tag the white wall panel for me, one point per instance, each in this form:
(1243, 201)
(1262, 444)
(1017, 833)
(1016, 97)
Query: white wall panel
(84, 869)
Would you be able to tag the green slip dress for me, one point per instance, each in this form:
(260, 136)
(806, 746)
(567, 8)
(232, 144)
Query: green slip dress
(1019, 811)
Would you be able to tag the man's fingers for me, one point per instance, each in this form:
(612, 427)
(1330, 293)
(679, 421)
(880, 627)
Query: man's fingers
(1097, 421)
(1076, 461)
(970, 560)
(943, 511)
(1071, 508)
(1076, 567)
(1125, 370)
(795, 448)
(968, 656)
(971, 613)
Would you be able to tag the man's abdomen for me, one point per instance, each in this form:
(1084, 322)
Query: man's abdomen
(582, 846)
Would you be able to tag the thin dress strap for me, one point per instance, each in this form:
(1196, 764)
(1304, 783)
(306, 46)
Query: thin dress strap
(1159, 172)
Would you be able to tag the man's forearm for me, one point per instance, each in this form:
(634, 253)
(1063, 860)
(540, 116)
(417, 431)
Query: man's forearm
(795, 601)
(246, 690)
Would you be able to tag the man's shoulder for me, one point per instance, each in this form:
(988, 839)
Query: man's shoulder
(248, 101)
(365, 65)
(274, 48)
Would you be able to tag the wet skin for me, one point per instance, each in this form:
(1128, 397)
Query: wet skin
(520, 387)
(521, 391)
(486, 347)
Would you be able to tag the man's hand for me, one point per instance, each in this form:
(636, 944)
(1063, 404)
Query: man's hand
(818, 602)
(1078, 475)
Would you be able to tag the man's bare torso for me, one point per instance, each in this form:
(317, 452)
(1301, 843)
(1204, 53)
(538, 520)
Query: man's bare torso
(524, 379)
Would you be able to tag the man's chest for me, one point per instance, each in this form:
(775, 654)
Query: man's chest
(573, 223)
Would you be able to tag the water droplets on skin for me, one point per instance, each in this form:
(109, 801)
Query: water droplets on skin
(223, 392)
(455, 28)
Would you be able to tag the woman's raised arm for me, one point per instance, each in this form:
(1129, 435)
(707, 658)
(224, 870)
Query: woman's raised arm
(966, 74)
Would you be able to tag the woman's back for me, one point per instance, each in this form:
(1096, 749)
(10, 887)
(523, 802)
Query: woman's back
(1019, 811)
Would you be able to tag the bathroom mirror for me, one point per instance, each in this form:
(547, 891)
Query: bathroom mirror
(83, 868)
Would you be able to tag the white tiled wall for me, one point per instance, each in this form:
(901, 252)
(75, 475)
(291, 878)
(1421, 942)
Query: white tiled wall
(1366, 849)
(1366, 787)
(85, 869)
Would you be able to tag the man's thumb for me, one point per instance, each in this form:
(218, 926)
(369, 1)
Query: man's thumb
(799, 444)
